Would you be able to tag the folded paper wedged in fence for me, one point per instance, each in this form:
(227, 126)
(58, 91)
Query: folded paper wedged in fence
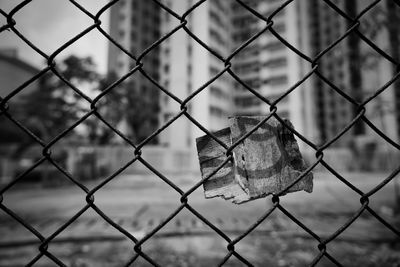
(267, 161)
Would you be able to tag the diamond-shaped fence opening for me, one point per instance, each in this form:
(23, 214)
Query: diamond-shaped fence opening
(234, 61)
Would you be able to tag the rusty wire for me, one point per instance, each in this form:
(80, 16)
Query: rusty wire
(11, 25)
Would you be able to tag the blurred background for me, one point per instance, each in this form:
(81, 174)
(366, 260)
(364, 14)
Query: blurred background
(48, 99)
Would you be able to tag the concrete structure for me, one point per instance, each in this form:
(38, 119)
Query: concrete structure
(333, 111)
(266, 65)
(269, 67)
(181, 57)
(136, 25)
(376, 72)
(186, 66)
(15, 72)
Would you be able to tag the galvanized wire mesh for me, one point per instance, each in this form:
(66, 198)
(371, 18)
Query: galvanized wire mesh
(359, 106)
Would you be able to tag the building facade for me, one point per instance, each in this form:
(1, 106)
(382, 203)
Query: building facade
(269, 67)
(135, 25)
(187, 66)
(13, 73)
(265, 65)
(353, 67)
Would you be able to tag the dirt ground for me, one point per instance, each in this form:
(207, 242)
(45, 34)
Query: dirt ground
(140, 203)
(273, 250)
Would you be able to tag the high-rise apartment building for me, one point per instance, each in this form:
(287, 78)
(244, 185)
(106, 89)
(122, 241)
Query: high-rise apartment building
(353, 67)
(186, 66)
(266, 65)
(136, 25)
(179, 64)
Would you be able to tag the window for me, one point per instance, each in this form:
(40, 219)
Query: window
(133, 35)
(166, 52)
(274, 46)
(220, 6)
(217, 92)
(252, 83)
(245, 34)
(167, 17)
(283, 114)
(250, 50)
(156, 19)
(247, 67)
(247, 101)
(190, 49)
(216, 19)
(276, 96)
(279, 14)
(213, 71)
(276, 63)
(279, 28)
(166, 84)
(120, 64)
(156, 33)
(244, 21)
(165, 99)
(166, 68)
(145, 42)
(216, 111)
(276, 80)
(217, 37)
(167, 116)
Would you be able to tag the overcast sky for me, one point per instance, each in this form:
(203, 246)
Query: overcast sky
(50, 23)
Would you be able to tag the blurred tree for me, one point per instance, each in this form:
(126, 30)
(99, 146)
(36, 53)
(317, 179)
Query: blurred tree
(142, 113)
(386, 19)
(111, 108)
(49, 110)
(393, 23)
(354, 59)
(9, 132)
(53, 106)
(124, 104)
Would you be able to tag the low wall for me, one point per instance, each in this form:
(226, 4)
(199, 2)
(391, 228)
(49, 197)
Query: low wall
(94, 162)
(343, 159)
(104, 160)
(339, 158)
(161, 158)
(6, 170)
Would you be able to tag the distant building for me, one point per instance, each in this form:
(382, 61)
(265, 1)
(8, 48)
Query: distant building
(315, 108)
(186, 66)
(333, 112)
(136, 25)
(266, 65)
(179, 63)
(269, 67)
(15, 72)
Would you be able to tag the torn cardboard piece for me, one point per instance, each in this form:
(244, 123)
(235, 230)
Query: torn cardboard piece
(266, 162)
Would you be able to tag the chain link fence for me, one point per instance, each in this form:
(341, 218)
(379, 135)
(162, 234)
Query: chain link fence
(231, 251)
